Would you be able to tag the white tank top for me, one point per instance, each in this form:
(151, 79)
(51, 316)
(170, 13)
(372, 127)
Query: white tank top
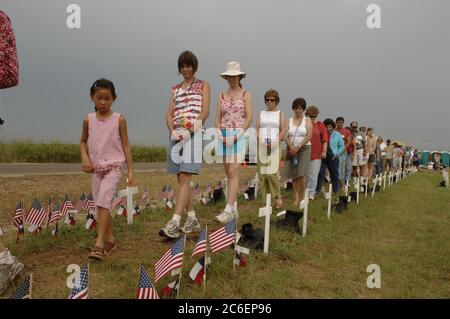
(297, 134)
(269, 124)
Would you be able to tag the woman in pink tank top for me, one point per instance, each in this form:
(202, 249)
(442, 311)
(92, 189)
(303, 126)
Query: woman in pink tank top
(233, 118)
(104, 150)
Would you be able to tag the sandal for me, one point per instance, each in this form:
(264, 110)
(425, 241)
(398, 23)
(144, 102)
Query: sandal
(110, 247)
(97, 253)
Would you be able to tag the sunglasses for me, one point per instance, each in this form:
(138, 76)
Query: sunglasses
(354, 127)
(271, 100)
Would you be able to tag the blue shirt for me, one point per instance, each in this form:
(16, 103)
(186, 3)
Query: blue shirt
(337, 144)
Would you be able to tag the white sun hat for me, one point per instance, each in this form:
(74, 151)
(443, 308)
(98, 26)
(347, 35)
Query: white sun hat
(233, 69)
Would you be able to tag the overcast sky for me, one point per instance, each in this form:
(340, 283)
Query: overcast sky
(395, 79)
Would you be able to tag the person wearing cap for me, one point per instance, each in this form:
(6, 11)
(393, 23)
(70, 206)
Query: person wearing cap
(233, 118)
(359, 152)
(270, 131)
(188, 109)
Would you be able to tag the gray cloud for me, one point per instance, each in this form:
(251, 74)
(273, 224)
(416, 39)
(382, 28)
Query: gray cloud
(394, 79)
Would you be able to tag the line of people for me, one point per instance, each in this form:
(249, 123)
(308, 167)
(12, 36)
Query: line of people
(312, 147)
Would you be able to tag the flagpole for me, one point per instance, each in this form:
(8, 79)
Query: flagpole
(31, 285)
(206, 262)
(235, 243)
(181, 269)
(88, 275)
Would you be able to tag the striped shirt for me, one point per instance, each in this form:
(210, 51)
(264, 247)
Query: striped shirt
(187, 104)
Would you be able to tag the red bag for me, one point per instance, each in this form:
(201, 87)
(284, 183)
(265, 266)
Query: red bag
(9, 65)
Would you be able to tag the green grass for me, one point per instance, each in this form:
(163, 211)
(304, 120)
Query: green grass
(405, 230)
(28, 152)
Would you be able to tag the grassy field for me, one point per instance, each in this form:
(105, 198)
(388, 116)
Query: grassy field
(27, 152)
(405, 230)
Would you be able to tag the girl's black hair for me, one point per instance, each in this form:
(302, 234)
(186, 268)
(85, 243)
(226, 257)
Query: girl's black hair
(104, 84)
(330, 122)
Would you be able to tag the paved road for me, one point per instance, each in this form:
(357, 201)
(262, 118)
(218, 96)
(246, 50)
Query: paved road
(73, 168)
(22, 169)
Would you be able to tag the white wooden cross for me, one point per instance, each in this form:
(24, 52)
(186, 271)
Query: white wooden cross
(445, 175)
(129, 192)
(266, 212)
(375, 183)
(328, 196)
(256, 183)
(384, 180)
(304, 205)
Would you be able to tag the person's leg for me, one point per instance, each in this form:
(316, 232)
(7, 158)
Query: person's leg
(296, 192)
(233, 182)
(103, 217)
(321, 176)
(184, 192)
(333, 167)
(313, 174)
(301, 188)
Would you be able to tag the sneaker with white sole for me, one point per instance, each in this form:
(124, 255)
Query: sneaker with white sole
(190, 224)
(171, 230)
(225, 217)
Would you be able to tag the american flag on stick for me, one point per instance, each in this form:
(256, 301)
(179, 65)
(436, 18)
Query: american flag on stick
(145, 196)
(172, 259)
(90, 203)
(82, 203)
(54, 215)
(19, 214)
(80, 290)
(51, 205)
(170, 193)
(37, 214)
(117, 200)
(163, 193)
(223, 237)
(145, 289)
(66, 206)
(200, 246)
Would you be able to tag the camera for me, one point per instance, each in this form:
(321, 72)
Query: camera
(295, 161)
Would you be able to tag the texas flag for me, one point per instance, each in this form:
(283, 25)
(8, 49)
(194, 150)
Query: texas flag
(198, 270)
(91, 222)
(171, 289)
(70, 219)
(241, 256)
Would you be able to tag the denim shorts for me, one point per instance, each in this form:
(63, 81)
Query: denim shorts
(185, 157)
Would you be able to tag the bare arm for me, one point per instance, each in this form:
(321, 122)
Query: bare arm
(219, 118)
(169, 114)
(257, 127)
(283, 127)
(248, 111)
(126, 147)
(86, 164)
(309, 129)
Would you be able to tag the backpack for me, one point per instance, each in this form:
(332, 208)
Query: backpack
(9, 65)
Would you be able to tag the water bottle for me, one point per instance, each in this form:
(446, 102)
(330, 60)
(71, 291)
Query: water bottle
(268, 142)
(295, 161)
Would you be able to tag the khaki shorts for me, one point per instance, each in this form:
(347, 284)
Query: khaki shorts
(359, 159)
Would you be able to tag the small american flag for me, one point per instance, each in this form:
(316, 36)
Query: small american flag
(54, 215)
(196, 190)
(90, 203)
(170, 193)
(223, 237)
(37, 214)
(163, 193)
(23, 291)
(82, 202)
(172, 259)
(18, 215)
(51, 205)
(200, 247)
(145, 289)
(116, 200)
(145, 195)
(66, 206)
(80, 290)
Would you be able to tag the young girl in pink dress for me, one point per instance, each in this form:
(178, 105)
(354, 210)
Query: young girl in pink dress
(104, 150)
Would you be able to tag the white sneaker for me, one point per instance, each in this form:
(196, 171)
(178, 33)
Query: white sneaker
(225, 217)
(171, 230)
(190, 225)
